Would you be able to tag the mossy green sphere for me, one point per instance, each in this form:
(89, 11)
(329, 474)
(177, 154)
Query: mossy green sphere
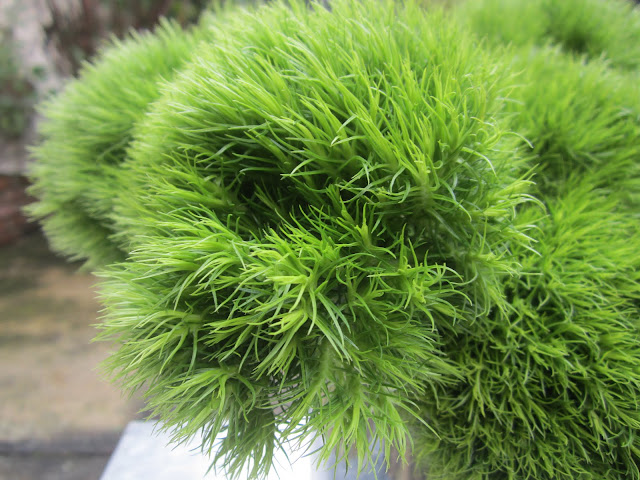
(551, 386)
(86, 131)
(578, 118)
(577, 109)
(316, 202)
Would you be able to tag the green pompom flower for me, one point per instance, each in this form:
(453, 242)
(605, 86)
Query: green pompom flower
(578, 109)
(550, 387)
(607, 29)
(86, 132)
(316, 202)
(578, 118)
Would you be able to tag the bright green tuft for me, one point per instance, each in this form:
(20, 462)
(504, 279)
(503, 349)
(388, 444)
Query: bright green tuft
(550, 387)
(313, 206)
(86, 132)
(578, 118)
(608, 29)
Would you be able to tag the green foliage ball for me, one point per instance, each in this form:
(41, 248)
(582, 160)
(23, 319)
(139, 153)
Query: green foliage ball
(550, 387)
(86, 132)
(577, 117)
(316, 202)
(577, 109)
(608, 29)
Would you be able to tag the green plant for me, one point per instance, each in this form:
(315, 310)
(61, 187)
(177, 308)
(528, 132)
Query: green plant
(577, 117)
(86, 132)
(328, 226)
(316, 185)
(550, 386)
(607, 29)
(576, 108)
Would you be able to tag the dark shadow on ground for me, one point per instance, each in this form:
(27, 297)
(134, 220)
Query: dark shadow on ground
(59, 418)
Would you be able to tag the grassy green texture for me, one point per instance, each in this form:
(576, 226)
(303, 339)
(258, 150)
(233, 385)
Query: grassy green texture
(550, 387)
(366, 224)
(315, 203)
(578, 117)
(85, 136)
(577, 108)
(608, 29)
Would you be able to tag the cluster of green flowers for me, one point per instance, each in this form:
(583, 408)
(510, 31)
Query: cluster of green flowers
(373, 222)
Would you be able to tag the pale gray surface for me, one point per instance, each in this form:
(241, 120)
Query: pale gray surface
(142, 454)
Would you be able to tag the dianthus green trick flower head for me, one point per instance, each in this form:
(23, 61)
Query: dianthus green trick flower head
(578, 117)
(86, 132)
(550, 388)
(315, 203)
(575, 111)
(608, 29)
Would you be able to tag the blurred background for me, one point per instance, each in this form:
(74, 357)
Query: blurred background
(59, 418)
